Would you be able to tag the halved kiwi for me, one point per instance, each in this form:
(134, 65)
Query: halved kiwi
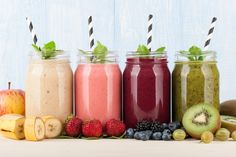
(228, 122)
(200, 118)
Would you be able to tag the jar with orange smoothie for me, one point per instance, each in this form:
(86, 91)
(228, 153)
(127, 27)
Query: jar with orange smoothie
(49, 84)
(98, 85)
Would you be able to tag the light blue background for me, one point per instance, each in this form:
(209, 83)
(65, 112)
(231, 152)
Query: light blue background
(119, 24)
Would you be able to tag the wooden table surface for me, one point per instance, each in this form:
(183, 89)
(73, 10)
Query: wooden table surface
(114, 147)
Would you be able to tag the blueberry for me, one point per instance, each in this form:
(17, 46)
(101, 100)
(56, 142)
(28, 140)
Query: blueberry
(149, 133)
(129, 133)
(157, 136)
(178, 124)
(143, 135)
(137, 135)
(166, 137)
(164, 126)
(166, 131)
(146, 135)
(172, 126)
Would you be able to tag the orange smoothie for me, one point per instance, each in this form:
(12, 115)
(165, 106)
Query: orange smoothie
(98, 91)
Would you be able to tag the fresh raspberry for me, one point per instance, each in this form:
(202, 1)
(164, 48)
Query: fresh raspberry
(92, 128)
(115, 127)
(73, 127)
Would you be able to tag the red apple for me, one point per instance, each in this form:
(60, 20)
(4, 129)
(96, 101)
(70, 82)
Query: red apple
(12, 101)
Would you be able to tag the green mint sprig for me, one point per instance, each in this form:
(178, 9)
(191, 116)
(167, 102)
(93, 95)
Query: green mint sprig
(48, 51)
(194, 53)
(143, 50)
(161, 50)
(98, 54)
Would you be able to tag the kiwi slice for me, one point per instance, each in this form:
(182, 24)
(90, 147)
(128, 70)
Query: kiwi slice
(228, 122)
(200, 118)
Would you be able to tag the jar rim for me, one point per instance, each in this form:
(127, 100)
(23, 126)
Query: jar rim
(132, 54)
(187, 54)
(90, 58)
(196, 62)
(89, 53)
(35, 55)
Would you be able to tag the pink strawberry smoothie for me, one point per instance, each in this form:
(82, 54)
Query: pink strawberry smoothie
(98, 91)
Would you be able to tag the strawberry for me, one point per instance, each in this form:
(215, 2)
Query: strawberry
(73, 127)
(92, 128)
(114, 127)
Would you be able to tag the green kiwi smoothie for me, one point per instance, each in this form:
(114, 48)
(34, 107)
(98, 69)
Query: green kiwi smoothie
(195, 79)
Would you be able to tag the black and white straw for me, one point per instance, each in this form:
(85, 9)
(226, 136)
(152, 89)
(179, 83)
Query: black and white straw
(91, 36)
(149, 34)
(210, 32)
(31, 28)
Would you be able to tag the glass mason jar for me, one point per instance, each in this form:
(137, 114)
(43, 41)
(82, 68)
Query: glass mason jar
(195, 79)
(49, 87)
(98, 88)
(146, 88)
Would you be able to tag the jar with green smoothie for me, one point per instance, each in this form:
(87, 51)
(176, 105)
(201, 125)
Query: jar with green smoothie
(195, 79)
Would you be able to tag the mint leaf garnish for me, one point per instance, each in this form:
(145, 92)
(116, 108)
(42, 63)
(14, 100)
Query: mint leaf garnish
(48, 51)
(161, 50)
(100, 49)
(142, 50)
(83, 52)
(36, 48)
(100, 52)
(194, 50)
(98, 55)
(194, 53)
(50, 46)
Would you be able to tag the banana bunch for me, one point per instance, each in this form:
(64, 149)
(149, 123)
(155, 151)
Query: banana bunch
(17, 127)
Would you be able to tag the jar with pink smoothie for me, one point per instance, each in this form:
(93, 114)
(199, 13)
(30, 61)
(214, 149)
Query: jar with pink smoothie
(98, 87)
(146, 88)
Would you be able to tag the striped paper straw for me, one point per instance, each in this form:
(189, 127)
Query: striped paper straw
(210, 32)
(91, 36)
(149, 34)
(31, 28)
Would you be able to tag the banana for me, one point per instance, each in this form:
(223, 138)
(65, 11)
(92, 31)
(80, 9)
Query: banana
(53, 126)
(11, 126)
(34, 129)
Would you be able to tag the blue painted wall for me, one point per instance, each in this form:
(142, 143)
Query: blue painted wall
(119, 24)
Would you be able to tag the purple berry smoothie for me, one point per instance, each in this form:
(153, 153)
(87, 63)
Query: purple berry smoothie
(146, 87)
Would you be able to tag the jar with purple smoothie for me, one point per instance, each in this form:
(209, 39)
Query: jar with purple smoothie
(146, 88)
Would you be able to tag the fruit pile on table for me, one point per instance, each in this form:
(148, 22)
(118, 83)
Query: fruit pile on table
(199, 122)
